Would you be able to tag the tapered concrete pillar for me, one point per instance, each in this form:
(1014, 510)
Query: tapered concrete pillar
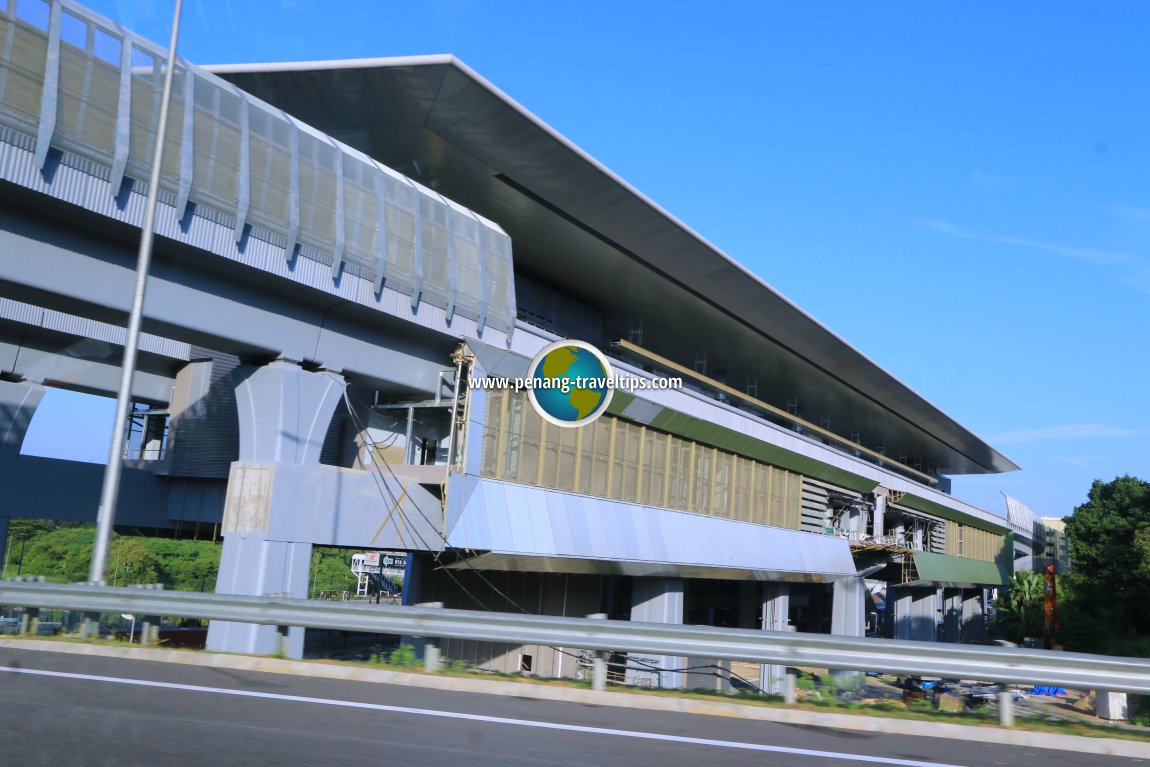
(776, 617)
(18, 403)
(659, 600)
(284, 413)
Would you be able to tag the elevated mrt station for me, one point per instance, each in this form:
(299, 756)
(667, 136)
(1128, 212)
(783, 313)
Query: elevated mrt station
(342, 247)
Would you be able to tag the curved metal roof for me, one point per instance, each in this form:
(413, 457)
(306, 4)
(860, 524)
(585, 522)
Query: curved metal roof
(575, 223)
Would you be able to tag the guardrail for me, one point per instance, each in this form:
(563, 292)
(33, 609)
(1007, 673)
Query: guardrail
(992, 664)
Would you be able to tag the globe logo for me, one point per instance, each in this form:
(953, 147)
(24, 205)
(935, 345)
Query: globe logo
(572, 383)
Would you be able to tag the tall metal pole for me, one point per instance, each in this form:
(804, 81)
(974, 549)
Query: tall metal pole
(111, 489)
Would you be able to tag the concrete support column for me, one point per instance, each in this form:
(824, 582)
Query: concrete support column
(3, 547)
(879, 512)
(776, 617)
(973, 615)
(856, 519)
(915, 612)
(848, 618)
(417, 577)
(848, 611)
(659, 600)
(284, 413)
(952, 615)
(253, 565)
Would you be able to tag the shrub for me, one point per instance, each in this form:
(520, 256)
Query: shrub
(403, 657)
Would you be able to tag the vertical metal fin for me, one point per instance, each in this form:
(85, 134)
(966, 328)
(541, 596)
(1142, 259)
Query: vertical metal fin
(339, 223)
(123, 113)
(244, 187)
(452, 279)
(9, 41)
(484, 297)
(381, 244)
(187, 143)
(50, 96)
(293, 193)
(417, 286)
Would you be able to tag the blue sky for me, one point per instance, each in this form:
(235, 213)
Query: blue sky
(961, 190)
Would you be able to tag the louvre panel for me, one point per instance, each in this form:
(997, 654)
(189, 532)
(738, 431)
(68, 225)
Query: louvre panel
(87, 126)
(435, 241)
(619, 459)
(938, 538)
(741, 485)
(815, 507)
(22, 76)
(244, 162)
(493, 422)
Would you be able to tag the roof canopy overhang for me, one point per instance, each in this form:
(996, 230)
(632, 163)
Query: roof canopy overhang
(518, 563)
(576, 225)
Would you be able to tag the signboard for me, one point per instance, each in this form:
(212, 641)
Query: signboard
(393, 561)
(384, 563)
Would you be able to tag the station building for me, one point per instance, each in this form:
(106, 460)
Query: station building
(344, 246)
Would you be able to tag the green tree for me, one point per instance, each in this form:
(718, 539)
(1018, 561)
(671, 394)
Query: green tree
(331, 570)
(1020, 611)
(58, 554)
(1110, 548)
(63, 553)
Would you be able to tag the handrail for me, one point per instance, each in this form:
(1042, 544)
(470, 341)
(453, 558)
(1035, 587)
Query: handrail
(661, 361)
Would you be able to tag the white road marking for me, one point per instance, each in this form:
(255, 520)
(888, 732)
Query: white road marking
(481, 718)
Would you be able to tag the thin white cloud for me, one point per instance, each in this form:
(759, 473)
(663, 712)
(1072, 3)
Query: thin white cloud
(1093, 256)
(1132, 212)
(1089, 462)
(1064, 431)
(988, 180)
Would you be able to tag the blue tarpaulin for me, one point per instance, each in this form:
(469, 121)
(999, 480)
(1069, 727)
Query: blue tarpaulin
(1041, 689)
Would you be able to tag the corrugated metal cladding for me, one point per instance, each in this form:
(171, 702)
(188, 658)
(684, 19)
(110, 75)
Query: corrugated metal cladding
(83, 84)
(548, 309)
(517, 519)
(195, 505)
(614, 458)
(204, 437)
(50, 319)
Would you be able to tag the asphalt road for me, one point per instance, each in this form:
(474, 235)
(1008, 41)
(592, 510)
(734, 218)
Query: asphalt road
(61, 710)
